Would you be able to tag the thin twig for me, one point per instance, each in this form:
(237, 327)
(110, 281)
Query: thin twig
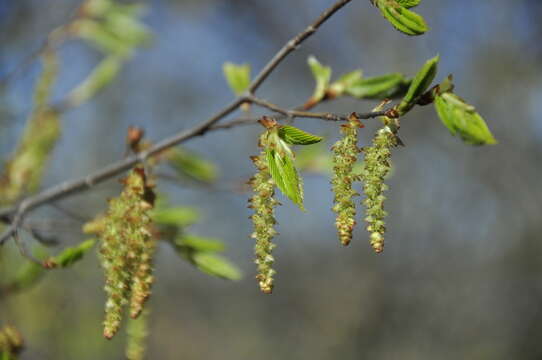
(23, 250)
(62, 190)
(293, 44)
(312, 115)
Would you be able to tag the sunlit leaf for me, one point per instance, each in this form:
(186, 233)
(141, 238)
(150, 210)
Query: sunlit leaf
(409, 3)
(404, 20)
(295, 136)
(176, 216)
(188, 163)
(200, 244)
(379, 87)
(71, 255)
(285, 176)
(337, 88)
(419, 85)
(216, 265)
(322, 75)
(103, 74)
(237, 76)
(462, 119)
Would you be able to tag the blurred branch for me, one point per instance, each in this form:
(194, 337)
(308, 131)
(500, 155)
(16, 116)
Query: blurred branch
(15, 215)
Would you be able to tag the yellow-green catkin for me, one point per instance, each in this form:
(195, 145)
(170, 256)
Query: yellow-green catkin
(375, 168)
(137, 332)
(345, 155)
(23, 171)
(11, 343)
(127, 250)
(264, 221)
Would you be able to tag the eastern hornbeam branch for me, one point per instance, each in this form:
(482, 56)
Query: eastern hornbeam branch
(15, 215)
(314, 115)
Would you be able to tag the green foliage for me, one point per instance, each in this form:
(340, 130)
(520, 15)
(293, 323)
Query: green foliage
(463, 120)
(378, 87)
(280, 158)
(419, 85)
(200, 244)
(355, 85)
(203, 252)
(345, 155)
(176, 216)
(322, 76)
(113, 28)
(404, 20)
(295, 136)
(71, 255)
(102, 75)
(237, 76)
(345, 82)
(376, 167)
(409, 3)
(285, 175)
(216, 265)
(189, 164)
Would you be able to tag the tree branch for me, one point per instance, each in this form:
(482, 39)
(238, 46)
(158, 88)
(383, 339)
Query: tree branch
(312, 115)
(293, 44)
(17, 213)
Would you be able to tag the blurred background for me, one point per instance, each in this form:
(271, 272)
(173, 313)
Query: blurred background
(460, 274)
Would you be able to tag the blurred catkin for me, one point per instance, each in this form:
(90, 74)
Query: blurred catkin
(137, 332)
(127, 250)
(11, 343)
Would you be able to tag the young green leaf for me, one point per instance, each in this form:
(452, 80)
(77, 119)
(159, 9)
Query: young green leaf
(462, 119)
(190, 164)
(322, 75)
(100, 77)
(237, 76)
(201, 252)
(285, 176)
(419, 85)
(176, 216)
(295, 136)
(71, 255)
(216, 265)
(379, 87)
(409, 3)
(200, 244)
(401, 18)
(338, 87)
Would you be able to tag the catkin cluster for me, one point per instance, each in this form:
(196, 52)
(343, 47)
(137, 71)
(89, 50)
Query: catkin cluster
(11, 342)
(127, 250)
(345, 155)
(264, 221)
(375, 168)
